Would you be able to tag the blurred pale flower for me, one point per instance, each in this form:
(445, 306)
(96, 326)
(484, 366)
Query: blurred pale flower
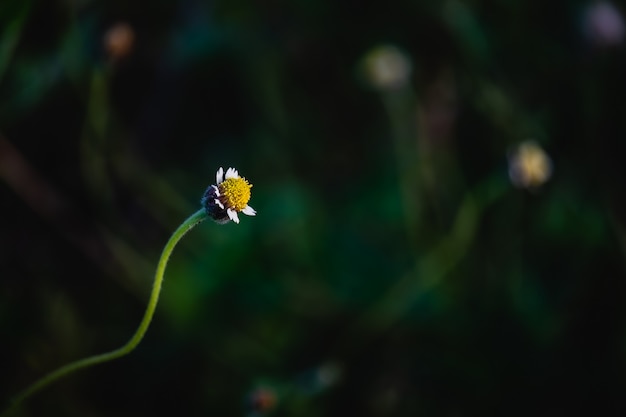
(328, 375)
(229, 196)
(119, 40)
(529, 165)
(387, 67)
(604, 24)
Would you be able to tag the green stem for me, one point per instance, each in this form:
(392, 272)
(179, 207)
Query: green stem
(187, 225)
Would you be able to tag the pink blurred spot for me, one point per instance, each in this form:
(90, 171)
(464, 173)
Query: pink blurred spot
(604, 24)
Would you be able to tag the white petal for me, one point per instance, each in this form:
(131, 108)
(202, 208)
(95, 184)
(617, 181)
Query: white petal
(219, 203)
(217, 190)
(229, 173)
(219, 177)
(249, 211)
(233, 215)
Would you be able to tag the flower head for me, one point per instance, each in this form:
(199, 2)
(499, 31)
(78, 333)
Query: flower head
(529, 165)
(227, 197)
(604, 25)
(119, 40)
(387, 68)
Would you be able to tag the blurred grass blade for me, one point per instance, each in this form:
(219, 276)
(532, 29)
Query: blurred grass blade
(11, 33)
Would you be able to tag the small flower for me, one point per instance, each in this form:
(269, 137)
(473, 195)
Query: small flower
(227, 197)
(529, 165)
(604, 25)
(387, 68)
(119, 40)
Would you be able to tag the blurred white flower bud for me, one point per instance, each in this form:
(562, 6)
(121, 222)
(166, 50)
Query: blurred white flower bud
(387, 67)
(529, 165)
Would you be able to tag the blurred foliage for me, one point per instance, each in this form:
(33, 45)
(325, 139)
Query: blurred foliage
(393, 268)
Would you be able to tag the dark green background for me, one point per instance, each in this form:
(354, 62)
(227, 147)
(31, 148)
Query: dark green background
(461, 295)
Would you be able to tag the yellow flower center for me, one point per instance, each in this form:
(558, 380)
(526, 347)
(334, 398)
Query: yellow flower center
(235, 193)
(534, 164)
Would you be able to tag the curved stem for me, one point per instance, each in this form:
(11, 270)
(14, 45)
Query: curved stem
(187, 225)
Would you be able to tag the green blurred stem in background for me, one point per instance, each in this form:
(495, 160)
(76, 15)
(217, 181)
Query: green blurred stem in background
(187, 225)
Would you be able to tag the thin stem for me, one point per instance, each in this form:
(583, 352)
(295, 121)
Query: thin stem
(187, 225)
